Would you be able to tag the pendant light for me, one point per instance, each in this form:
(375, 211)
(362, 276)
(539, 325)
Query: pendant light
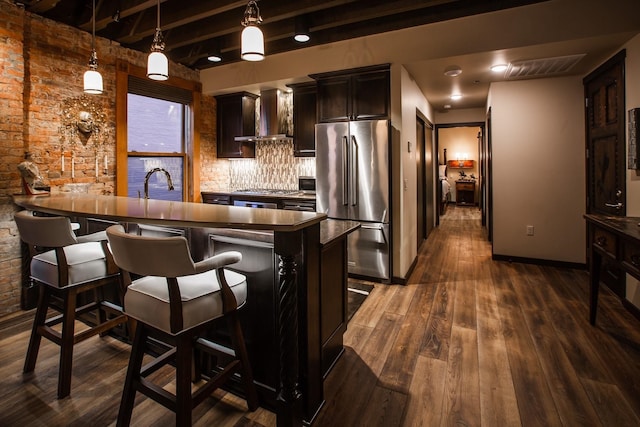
(252, 39)
(92, 78)
(157, 63)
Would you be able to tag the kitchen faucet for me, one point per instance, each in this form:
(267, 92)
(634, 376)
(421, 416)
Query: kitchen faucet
(151, 172)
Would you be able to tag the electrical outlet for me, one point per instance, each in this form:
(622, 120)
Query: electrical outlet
(530, 230)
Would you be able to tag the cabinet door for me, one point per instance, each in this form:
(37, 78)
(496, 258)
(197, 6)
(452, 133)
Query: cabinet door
(304, 121)
(235, 117)
(334, 100)
(370, 96)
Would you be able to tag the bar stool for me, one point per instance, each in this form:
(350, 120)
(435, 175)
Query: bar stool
(65, 266)
(176, 301)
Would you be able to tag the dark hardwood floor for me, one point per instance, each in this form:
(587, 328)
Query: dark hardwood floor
(469, 341)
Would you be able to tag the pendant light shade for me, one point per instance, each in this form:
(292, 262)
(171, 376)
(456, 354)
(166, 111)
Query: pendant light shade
(92, 78)
(252, 40)
(157, 63)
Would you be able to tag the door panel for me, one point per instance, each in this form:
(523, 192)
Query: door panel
(369, 187)
(331, 169)
(606, 161)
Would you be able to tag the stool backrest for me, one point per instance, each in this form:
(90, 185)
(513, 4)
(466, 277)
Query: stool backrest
(44, 231)
(150, 256)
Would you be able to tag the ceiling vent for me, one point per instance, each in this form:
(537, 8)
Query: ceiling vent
(542, 67)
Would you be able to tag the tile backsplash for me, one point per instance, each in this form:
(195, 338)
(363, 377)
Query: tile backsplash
(274, 168)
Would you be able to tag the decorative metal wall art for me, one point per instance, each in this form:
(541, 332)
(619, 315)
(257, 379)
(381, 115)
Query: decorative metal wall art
(83, 122)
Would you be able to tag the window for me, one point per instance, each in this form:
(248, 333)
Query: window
(155, 147)
(157, 136)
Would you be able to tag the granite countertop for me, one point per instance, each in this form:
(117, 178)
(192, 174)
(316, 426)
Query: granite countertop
(330, 230)
(624, 225)
(166, 213)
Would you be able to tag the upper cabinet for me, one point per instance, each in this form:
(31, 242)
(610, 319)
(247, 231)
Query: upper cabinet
(357, 94)
(236, 116)
(304, 119)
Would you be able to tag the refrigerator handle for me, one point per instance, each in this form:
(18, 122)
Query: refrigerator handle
(345, 171)
(354, 171)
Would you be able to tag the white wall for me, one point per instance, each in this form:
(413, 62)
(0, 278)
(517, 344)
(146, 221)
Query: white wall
(464, 115)
(632, 97)
(537, 135)
(406, 101)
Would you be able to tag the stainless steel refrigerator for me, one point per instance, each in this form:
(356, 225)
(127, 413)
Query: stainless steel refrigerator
(352, 182)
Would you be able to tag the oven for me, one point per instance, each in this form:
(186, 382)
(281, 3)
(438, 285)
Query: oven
(255, 204)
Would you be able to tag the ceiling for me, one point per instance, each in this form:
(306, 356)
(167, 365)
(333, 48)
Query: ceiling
(427, 37)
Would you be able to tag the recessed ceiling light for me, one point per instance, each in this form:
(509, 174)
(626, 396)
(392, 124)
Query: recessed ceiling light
(455, 96)
(447, 106)
(453, 71)
(498, 68)
(214, 58)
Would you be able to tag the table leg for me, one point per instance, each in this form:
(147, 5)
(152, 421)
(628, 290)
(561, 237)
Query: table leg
(594, 276)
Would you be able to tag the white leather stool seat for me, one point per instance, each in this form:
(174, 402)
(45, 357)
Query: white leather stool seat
(86, 261)
(147, 298)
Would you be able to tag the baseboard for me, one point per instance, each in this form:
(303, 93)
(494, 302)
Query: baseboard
(537, 261)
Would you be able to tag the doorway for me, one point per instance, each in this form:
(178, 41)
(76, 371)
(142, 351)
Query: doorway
(466, 160)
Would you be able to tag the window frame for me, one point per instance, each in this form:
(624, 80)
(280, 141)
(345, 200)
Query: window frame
(191, 174)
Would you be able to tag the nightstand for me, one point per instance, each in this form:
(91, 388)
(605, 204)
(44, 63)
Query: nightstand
(465, 192)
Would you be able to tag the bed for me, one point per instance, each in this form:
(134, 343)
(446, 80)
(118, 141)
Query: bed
(445, 187)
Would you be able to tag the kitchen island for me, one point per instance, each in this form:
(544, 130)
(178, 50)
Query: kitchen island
(298, 248)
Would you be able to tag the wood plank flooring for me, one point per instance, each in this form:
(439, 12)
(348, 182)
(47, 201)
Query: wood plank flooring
(468, 341)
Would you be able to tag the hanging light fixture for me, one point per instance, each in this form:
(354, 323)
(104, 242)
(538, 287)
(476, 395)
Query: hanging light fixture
(157, 63)
(252, 38)
(92, 78)
(301, 30)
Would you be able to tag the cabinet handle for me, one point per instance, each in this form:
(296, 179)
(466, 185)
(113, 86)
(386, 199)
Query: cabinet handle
(635, 260)
(601, 240)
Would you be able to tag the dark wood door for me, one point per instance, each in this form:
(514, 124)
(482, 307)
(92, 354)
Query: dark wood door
(605, 119)
(304, 120)
(606, 161)
(333, 99)
(370, 96)
(421, 181)
(235, 117)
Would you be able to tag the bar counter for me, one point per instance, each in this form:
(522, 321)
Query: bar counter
(296, 243)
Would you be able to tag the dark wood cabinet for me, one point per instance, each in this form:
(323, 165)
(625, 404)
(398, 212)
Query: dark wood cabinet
(465, 192)
(359, 94)
(304, 119)
(236, 116)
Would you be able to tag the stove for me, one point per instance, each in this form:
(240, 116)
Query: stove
(266, 192)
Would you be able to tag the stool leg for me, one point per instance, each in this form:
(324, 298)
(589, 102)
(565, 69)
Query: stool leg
(38, 322)
(237, 339)
(66, 346)
(184, 352)
(133, 375)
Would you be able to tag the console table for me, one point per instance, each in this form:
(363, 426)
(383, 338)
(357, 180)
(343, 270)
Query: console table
(618, 240)
(465, 192)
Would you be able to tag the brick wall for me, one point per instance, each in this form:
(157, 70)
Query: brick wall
(41, 64)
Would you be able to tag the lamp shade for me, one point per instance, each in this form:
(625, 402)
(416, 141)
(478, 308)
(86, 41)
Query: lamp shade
(157, 66)
(92, 82)
(252, 44)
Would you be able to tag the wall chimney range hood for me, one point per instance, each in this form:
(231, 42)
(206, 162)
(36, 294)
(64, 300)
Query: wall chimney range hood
(275, 117)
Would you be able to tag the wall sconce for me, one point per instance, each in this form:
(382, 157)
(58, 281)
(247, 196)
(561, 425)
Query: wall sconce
(461, 163)
(252, 39)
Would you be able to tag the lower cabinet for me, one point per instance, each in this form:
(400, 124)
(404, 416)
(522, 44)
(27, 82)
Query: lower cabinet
(322, 312)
